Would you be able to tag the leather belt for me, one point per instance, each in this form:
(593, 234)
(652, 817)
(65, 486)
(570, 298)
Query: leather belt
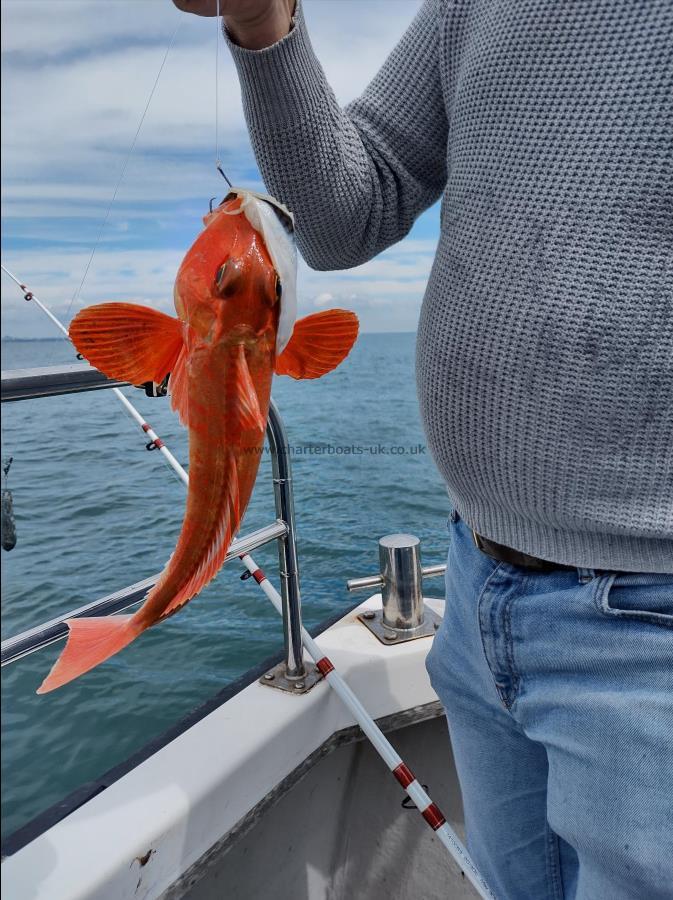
(501, 553)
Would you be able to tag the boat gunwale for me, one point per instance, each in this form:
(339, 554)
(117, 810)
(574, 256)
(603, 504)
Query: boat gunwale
(60, 810)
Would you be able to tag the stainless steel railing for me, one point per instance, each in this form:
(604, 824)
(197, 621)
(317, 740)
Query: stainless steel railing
(29, 384)
(50, 381)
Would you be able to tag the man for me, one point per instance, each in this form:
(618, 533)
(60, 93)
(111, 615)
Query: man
(545, 380)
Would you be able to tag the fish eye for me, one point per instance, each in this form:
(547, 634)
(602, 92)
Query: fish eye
(229, 278)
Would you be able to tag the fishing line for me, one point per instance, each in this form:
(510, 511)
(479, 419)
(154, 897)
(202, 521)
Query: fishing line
(218, 35)
(218, 162)
(76, 294)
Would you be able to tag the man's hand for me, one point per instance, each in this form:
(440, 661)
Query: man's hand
(253, 24)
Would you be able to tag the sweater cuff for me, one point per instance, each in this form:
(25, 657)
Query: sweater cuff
(280, 82)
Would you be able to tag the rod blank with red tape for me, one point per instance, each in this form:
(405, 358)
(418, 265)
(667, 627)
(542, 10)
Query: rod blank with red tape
(382, 745)
(155, 440)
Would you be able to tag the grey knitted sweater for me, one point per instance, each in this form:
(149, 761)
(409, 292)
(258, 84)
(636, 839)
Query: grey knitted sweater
(545, 345)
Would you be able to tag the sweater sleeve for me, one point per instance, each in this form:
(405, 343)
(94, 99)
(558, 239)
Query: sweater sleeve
(355, 178)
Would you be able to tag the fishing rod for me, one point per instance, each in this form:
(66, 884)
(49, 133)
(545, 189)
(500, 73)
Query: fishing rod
(423, 802)
(155, 442)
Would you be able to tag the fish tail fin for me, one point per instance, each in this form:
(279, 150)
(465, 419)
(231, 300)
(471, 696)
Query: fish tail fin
(90, 641)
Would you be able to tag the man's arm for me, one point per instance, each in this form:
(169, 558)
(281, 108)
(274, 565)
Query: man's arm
(356, 179)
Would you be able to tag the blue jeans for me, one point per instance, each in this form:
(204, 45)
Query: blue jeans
(558, 690)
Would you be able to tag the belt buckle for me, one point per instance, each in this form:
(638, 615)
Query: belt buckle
(477, 540)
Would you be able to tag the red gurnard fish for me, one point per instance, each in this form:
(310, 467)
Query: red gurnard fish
(235, 298)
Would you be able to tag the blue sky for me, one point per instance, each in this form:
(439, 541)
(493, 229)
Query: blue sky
(76, 77)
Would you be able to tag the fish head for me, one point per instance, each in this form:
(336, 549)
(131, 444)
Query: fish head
(227, 288)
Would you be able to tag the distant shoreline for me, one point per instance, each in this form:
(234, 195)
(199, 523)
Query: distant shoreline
(18, 340)
(8, 339)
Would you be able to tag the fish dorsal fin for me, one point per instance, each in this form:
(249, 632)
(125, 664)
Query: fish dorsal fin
(318, 344)
(246, 399)
(128, 342)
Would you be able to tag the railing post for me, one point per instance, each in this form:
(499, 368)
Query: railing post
(287, 547)
(295, 675)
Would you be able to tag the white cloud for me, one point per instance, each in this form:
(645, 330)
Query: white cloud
(146, 276)
(74, 85)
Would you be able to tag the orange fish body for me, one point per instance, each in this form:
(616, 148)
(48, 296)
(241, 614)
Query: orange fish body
(221, 353)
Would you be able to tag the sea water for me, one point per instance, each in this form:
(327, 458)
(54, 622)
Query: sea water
(96, 512)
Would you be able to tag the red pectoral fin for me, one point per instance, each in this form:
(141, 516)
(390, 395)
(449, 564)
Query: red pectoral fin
(318, 344)
(128, 342)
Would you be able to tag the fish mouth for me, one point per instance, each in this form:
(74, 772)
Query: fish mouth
(283, 214)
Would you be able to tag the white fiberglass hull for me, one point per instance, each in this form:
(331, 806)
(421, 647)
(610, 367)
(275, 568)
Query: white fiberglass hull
(269, 796)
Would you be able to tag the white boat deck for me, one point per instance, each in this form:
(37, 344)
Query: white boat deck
(145, 831)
